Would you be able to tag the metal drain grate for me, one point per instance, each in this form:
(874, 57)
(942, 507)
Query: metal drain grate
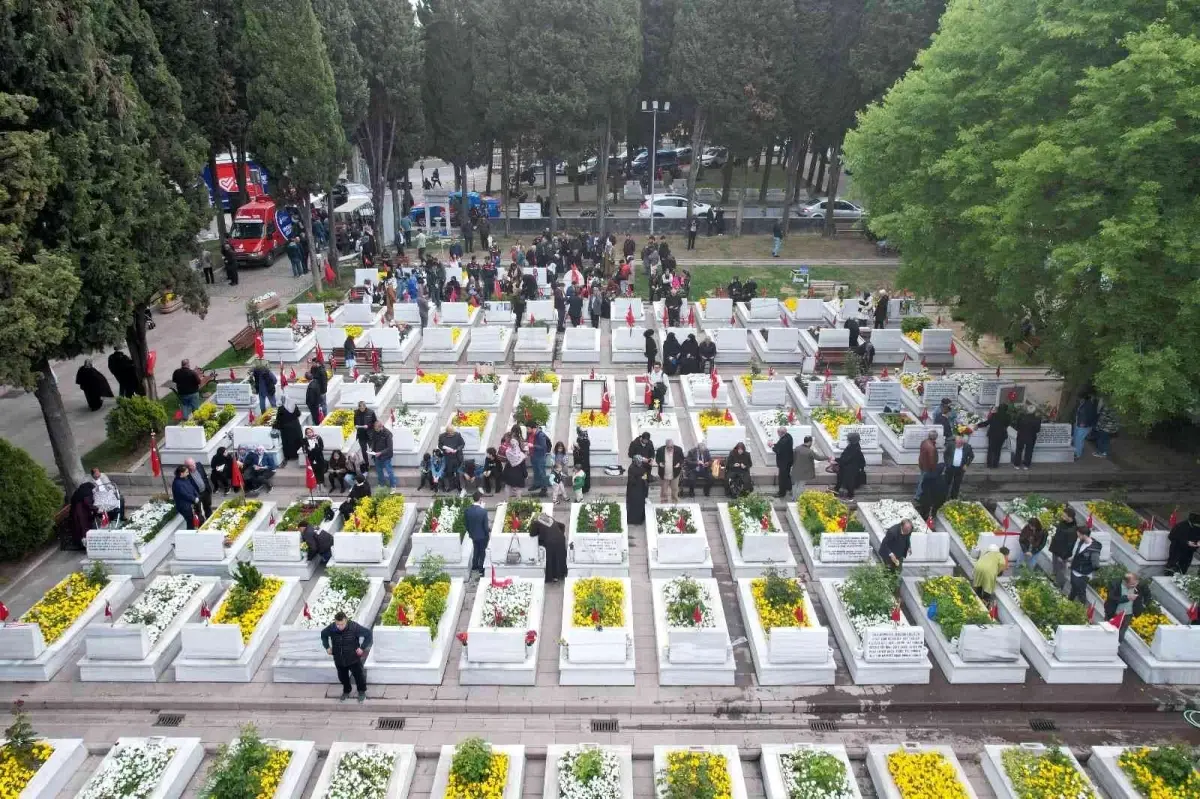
(1042, 725)
(168, 720)
(605, 725)
(816, 725)
(389, 723)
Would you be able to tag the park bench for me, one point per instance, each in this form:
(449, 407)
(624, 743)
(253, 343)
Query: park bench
(243, 339)
(823, 288)
(364, 356)
(1029, 345)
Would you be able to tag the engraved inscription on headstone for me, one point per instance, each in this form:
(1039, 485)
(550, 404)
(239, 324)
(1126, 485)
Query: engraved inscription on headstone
(1058, 435)
(881, 393)
(111, 545)
(937, 390)
(899, 645)
(868, 434)
(592, 394)
(599, 547)
(845, 547)
(232, 394)
(276, 547)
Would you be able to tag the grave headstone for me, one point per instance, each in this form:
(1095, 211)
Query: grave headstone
(845, 547)
(309, 312)
(1011, 393)
(887, 340)
(935, 340)
(884, 645)
(456, 313)
(541, 310)
(276, 547)
(764, 307)
(487, 338)
(111, 545)
(357, 313)
(914, 434)
(591, 394)
(278, 337)
(627, 338)
(833, 338)
(364, 276)
(531, 338)
(599, 548)
(868, 435)
(988, 390)
(730, 339)
(810, 310)
(386, 338)
(353, 393)
(783, 339)
(884, 393)
(232, 394)
(937, 390)
(438, 338)
(768, 392)
(718, 308)
(581, 338)
(1055, 435)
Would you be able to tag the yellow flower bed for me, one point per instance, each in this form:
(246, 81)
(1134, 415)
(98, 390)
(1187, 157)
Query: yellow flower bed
(376, 515)
(969, 520)
(14, 775)
(832, 419)
(913, 380)
(248, 621)
(1119, 517)
(914, 336)
(1146, 624)
(611, 605)
(61, 606)
(423, 604)
(826, 507)
(1043, 775)
(476, 419)
(593, 419)
(491, 788)
(714, 417)
(540, 375)
(455, 335)
(437, 378)
(344, 419)
(791, 304)
(924, 775)
(354, 331)
(272, 773)
(685, 768)
(1139, 766)
(771, 616)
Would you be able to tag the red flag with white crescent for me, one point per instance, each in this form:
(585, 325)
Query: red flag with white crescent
(1091, 613)
(896, 614)
(1193, 613)
(310, 477)
(629, 315)
(714, 388)
(784, 320)
(3, 612)
(307, 614)
(259, 349)
(320, 354)
(605, 402)
(283, 381)
(1174, 519)
(235, 478)
(232, 374)
(691, 316)
(953, 348)
(648, 396)
(195, 520)
(1118, 619)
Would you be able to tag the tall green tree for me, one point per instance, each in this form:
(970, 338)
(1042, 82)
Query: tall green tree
(613, 73)
(1039, 166)
(295, 128)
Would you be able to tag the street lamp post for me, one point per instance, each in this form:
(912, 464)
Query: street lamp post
(651, 107)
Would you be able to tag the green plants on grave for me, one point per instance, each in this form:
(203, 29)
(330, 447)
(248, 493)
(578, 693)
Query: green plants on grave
(28, 502)
(353, 583)
(419, 600)
(247, 580)
(871, 590)
(609, 514)
(519, 514)
(472, 761)
(952, 604)
(1043, 603)
(245, 768)
(129, 424)
(530, 411)
(1162, 771)
(914, 324)
(813, 774)
(751, 513)
(21, 743)
(211, 417)
(303, 512)
(97, 574)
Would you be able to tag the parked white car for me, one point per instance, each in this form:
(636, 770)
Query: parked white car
(842, 209)
(670, 206)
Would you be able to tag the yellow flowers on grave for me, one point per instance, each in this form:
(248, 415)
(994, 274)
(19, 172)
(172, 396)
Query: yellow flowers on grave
(15, 774)
(598, 602)
(416, 603)
(211, 417)
(924, 775)
(354, 331)
(1119, 517)
(969, 520)
(342, 418)
(688, 770)
(477, 772)
(914, 336)
(1036, 775)
(1157, 772)
(438, 379)
(791, 304)
(1146, 624)
(747, 382)
(62, 605)
(376, 515)
(246, 608)
(832, 419)
(779, 601)
(593, 419)
(715, 417)
(272, 773)
(540, 375)
(476, 419)
(455, 335)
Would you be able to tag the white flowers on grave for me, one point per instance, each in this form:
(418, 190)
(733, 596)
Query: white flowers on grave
(415, 422)
(652, 418)
(133, 772)
(507, 605)
(160, 603)
(146, 521)
(890, 512)
(328, 604)
(968, 383)
(589, 772)
(362, 774)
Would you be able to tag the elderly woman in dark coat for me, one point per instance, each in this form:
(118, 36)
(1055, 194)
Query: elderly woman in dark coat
(637, 488)
(552, 537)
(83, 509)
(672, 352)
(291, 435)
(94, 385)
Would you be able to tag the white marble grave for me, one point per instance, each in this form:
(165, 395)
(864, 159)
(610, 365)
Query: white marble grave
(362, 389)
(721, 439)
(964, 557)
(781, 345)
(904, 448)
(1104, 766)
(1148, 558)
(810, 312)
(502, 540)
(300, 656)
(460, 314)
(53, 775)
(203, 552)
(733, 345)
(590, 656)
(480, 394)
(628, 344)
(501, 656)
(284, 344)
(1002, 784)
(180, 443)
(929, 551)
(868, 435)
(765, 426)
(438, 344)
(836, 554)
(773, 780)
(597, 554)
(534, 344)
(891, 653)
(715, 313)
(760, 550)
(693, 655)
(581, 345)
(182, 766)
(697, 391)
(516, 770)
(555, 752)
(414, 392)
(933, 349)
(367, 551)
(122, 552)
(881, 778)
(675, 554)
(411, 655)
(737, 781)
(787, 655)
(490, 344)
(393, 350)
(765, 392)
(759, 311)
(404, 767)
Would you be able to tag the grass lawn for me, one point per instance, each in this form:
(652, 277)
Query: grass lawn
(777, 280)
(795, 247)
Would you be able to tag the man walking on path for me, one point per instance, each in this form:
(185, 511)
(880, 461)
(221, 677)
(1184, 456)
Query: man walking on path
(348, 642)
(783, 461)
(776, 239)
(478, 531)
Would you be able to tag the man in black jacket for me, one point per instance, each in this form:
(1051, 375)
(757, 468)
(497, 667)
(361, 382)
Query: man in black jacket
(348, 642)
(1028, 425)
(784, 456)
(1185, 540)
(364, 424)
(895, 545)
(958, 457)
(1061, 544)
(319, 543)
(1124, 595)
(187, 386)
(1085, 559)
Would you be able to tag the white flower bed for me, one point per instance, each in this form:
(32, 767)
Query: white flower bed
(160, 603)
(413, 421)
(133, 773)
(330, 603)
(446, 519)
(510, 604)
(671, 592)
(224, 521)
(668, 521)
(890, 512)
(362, 774)
(862, 622)
(968, 383)
(606, 785)
(148, 520)
(653, 419)
(808, 787)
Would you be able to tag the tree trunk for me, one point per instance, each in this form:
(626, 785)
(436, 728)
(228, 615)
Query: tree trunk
(58, 428)
(331, 240)
(218, 207)
(602, 178)
(793, 177)
(575, 183)
(553, 195)
(814, 152)
(726, 179)
(139, 349)
(741, 208)
(491, 163)
(820, 184)
(835, 174)
(504, 183)
(306, 218)
(239, 174)
(804, 144)
(694, 169)
(766, 178)
(397, 210)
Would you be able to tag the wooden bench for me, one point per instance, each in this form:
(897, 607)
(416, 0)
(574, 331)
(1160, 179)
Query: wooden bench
(243, 339)
(362, 355)
(830, 358)
(356, 294)
(1029, 346)
(822, 288)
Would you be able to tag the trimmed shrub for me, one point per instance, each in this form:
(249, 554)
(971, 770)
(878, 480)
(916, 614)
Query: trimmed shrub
(28, 501)
(130, 423)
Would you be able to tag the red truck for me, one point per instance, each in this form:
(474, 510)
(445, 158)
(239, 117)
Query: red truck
(260, 232)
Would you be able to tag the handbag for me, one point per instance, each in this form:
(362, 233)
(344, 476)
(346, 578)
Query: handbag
(513, 556)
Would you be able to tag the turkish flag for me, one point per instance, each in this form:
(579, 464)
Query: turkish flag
(997, 371)
(784, 320)
(697, 616)
(1193, 612)
(1174, 518)
(733, 320)
(252, 415)
(329, 318)
(929, 522)
(791, 416)
(205, 613)
(828, 374)
(195, 520)
(307, 614)
(680, 525)
(629, 315)
(179, 416)
(354, 374)
(884, 374)
(666, 316)
(896, 614)
(375, 359)
(843, 521)
(320, 354)
(858, 414)
(271, 521)
(953, 348)
(924, 414)
(505, 583)
(799, 614)
(310, 477)
(155, 460)
(1089, 521)
(292, 374)
(259, 349)
(1118, 619)
(235, 478)
(436, 320)
(107, 610)
(330, 276)
(104, 519)
(1006, 520)
(605, 402)
(716, 387)
(691, 316)
(401, 616)
(283, 381)
(728, 415)
(3, 612)
(994, 611)
(1091, 613)
(599, 524)
(648, 396)
(592, 374)
(232, 374)
(924, 363)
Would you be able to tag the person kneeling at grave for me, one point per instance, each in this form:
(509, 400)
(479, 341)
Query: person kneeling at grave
(318, 542)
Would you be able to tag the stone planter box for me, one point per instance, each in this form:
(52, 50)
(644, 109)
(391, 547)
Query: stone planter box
(989, 654)
(885, 786)
(362, 389)
(838, 557)
(768, 392)
(438, 345)
(610, 383)
(282, 344)
(277, 551)
(216, 653)
(886, 655)
(490, 343)
(595, 657)
(454, 550)
(499, 656)
(476, 443)
(179, 771)
(459, 314)
(362, 314)
(540, 311)
(759, 551)
(827, 340)
(1171, 658)
(737, 782)
(393, 350)
(1084, 654)
(905, 448)
(693, 656)
(1170, 596)
(1149, 558)
(627, 344)
(659, 433)
(26, 655)
(404, 767)
(533, 555)
(997, 777)
(760, 311)
(414, 393)
(119, 652)
(300, 656)
(121, 554)
(1109, 775)
(555, 751)
(889, 346)
(658, 307)
(868, 440)
(366, 551)
(409, 655)
(203, 552)
(773, 782)
(1052, 445)
(720, 440)
(809, 313)
(934, 348)
(473, 394)
(787, 655)
(678, 554)
(592, 554)
(544, 393)
(781, 345)
(965, 558)
(409, 445)
(818, 392)
(50, 780)
(622, 305)
(605, 450)
(766, 432)
(733, 345)
(716, 313)
(929, 552)
(581, 345)
(516, 770)
(534, 345)
(296, 391)
(637, 393)
(180, 443)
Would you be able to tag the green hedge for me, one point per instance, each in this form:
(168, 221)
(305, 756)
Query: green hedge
(28, 501)
(129, 424)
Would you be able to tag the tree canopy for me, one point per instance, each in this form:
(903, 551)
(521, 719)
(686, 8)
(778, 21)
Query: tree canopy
(1040, 165)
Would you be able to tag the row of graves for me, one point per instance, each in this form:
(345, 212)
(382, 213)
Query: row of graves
(283, 768)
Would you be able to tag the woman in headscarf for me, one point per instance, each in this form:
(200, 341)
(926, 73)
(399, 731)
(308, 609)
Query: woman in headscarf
(737, 471)
(671, 353)
(123, 369)
(186, 497)
(83, 509)
(637, 488)
(338, 469)
(689, 356)
(851, 466)
(93, 384)
(314, 448)
(552, 537)
(220, 470)
(287, 422)
(514, 473)
(582, 456)
(651, 350)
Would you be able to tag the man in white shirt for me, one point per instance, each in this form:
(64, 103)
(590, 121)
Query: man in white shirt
(959, 455)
